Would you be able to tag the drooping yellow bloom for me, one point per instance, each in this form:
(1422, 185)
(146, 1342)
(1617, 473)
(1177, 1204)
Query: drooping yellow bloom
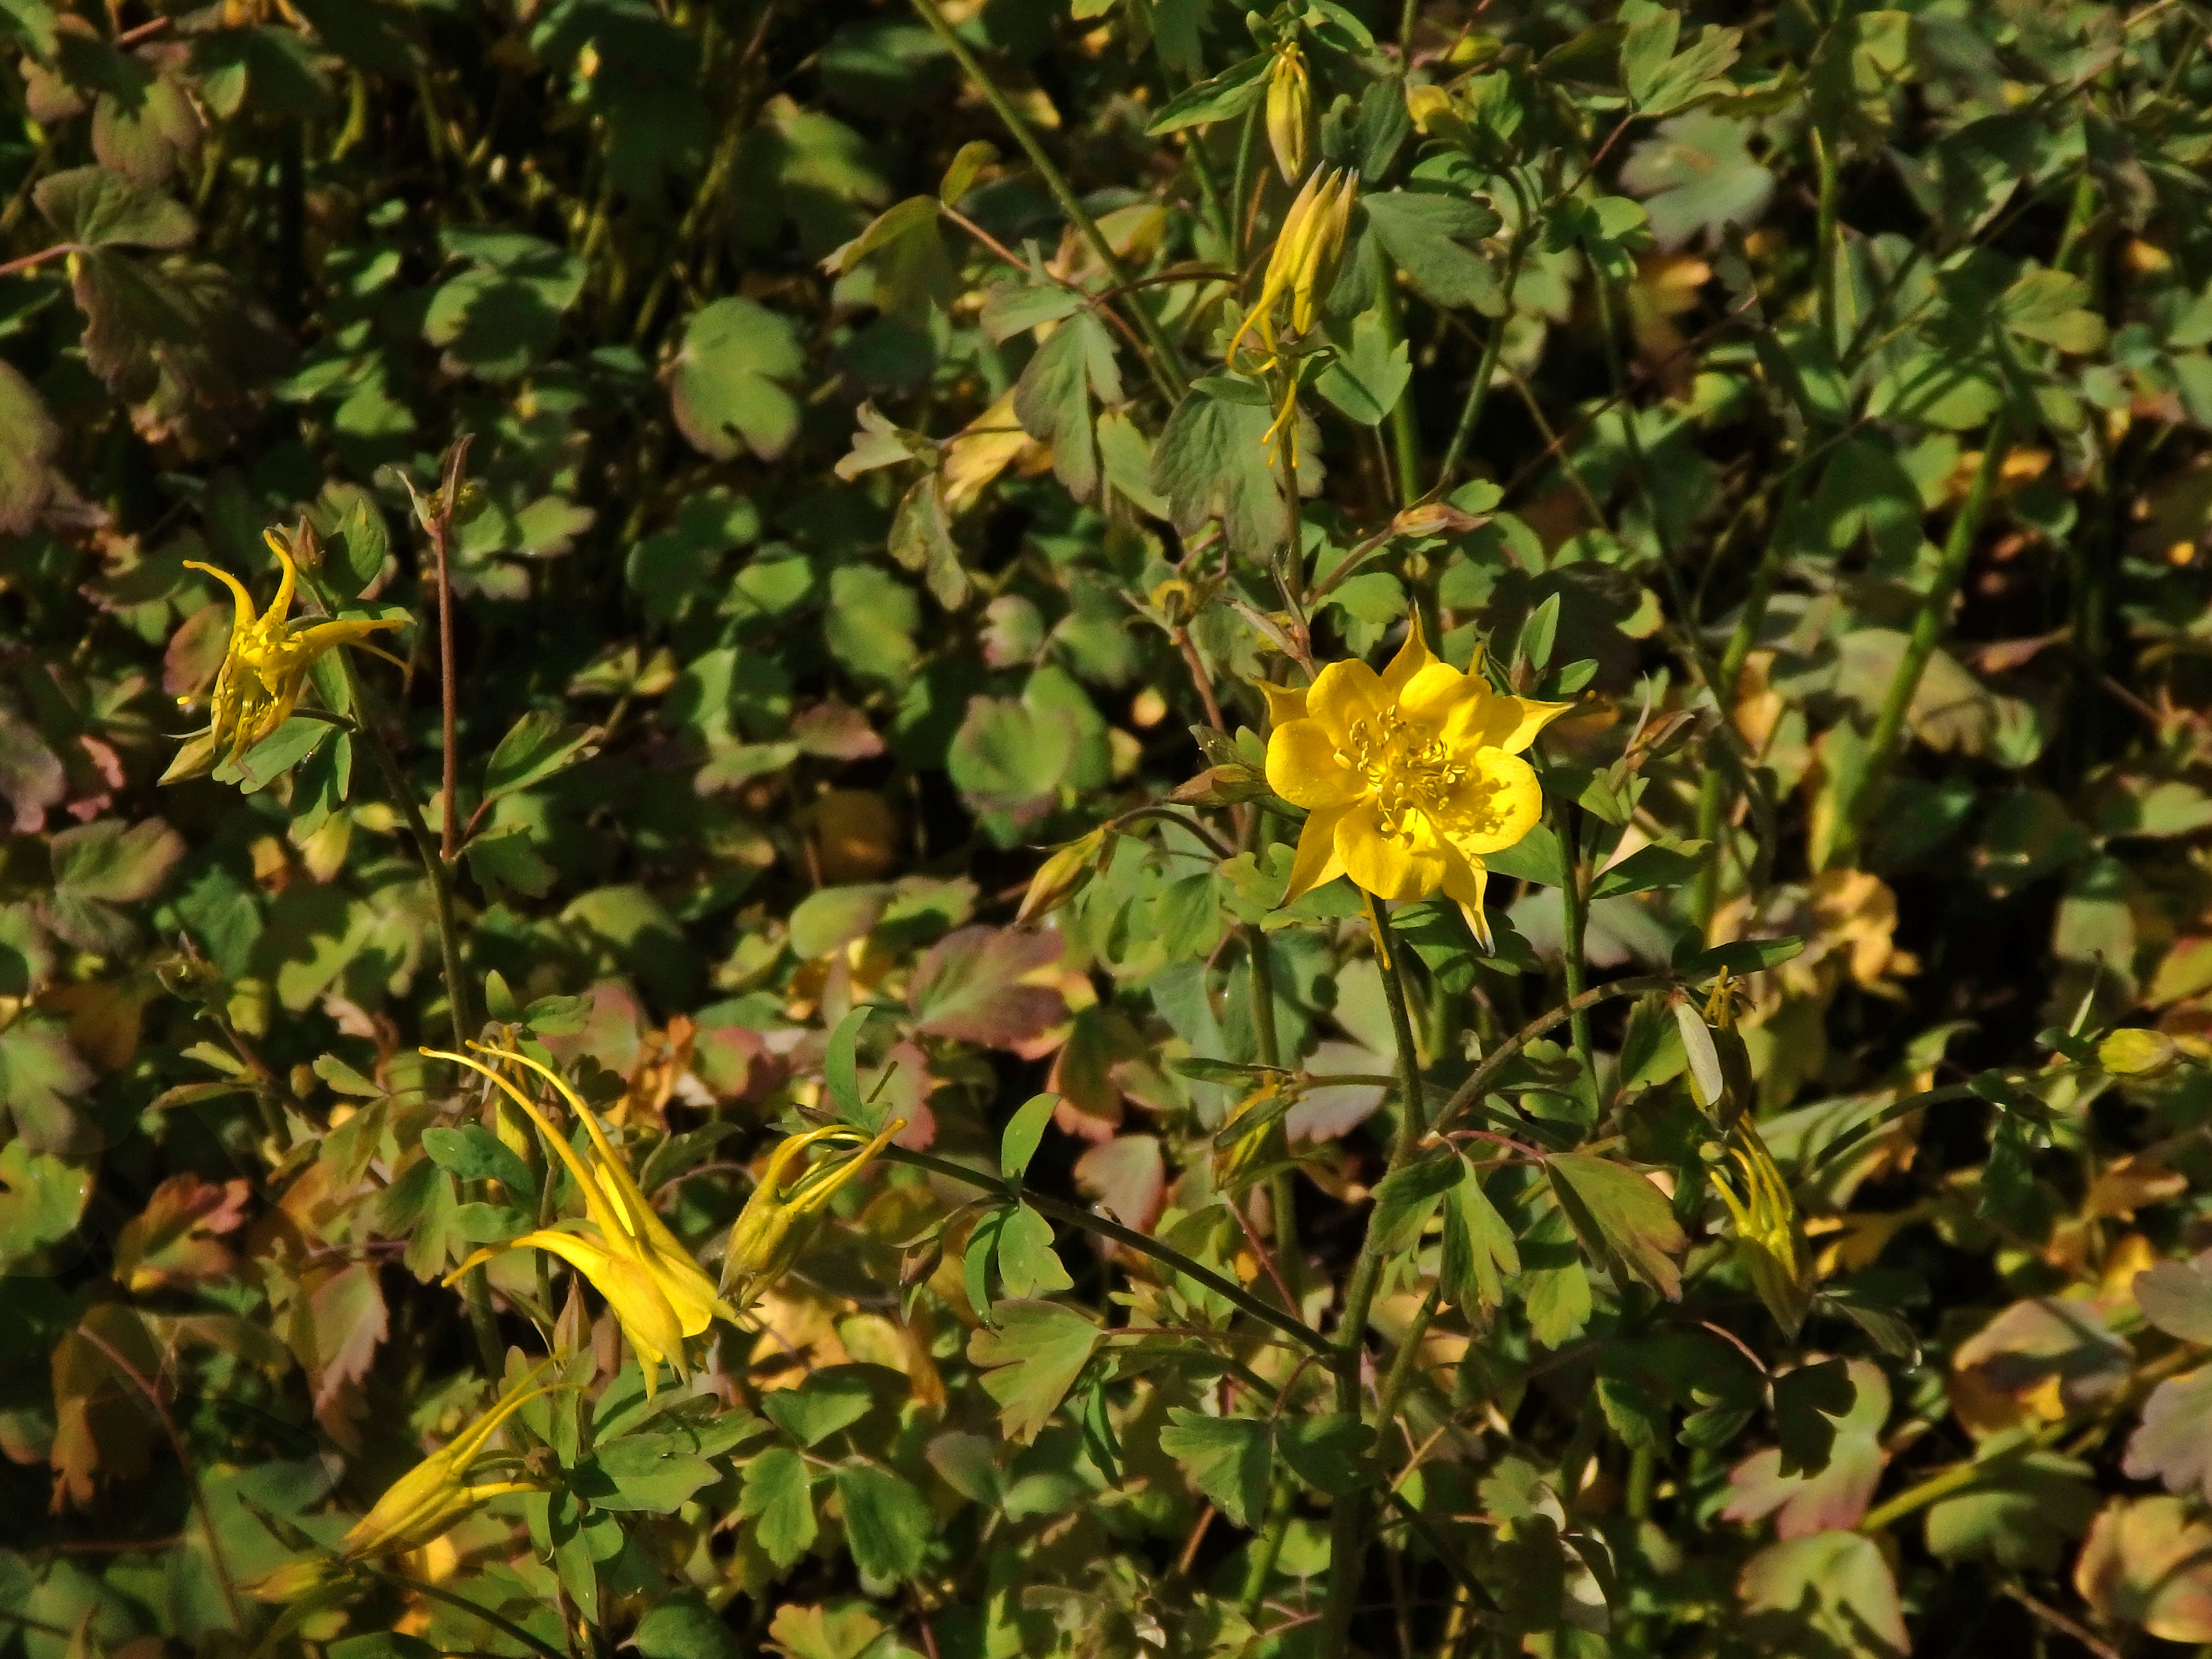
(268, 656)
(431, 1498)
(771, 1230)
(1289, 99)
(1408, 777)
(659, 1294)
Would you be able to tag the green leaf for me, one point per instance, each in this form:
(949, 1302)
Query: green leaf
(1052, 400)
(1405, 1198)
(647, 1474)
(505, 860)
(1010, 757)
(1661, 80)
(1423, 231)
(888, 1526)
(1622, 1219)
(114, 862)
(829, 1399)
(39, 1070)
(28, 441)
(870, 623)
(840, 1069)
(1024, 1133)
(534, 748)
(1026, 1260)
(726, 383)
(1535, 857)
(275, 754)
(2176, 1298)
(778, 1499)
(1366, 381)
(42, 1198)
(1227, 95)
(1332, 1453)
(93, 208)
(1029, 1359)
(1212, 462)
(1650, 868)
(1697, 177)
(1227, 1458)
(1829, 1593)
(2052, 308)
(683, 1626)
(1479, 1254)
(473, 1152)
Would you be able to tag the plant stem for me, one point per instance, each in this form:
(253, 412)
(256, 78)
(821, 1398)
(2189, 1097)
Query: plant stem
(1859, 797)
(461, 1603)
(1471, 1091)
(1404, 426)
(1824, 237)
(1281, 1499)
(1076, 1216)
(1574, 900)
(1485, 371)
(1351, 1520)
(1164, 361)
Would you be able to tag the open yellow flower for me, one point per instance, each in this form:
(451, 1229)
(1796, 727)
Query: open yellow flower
(771, 1230)
(659, 1294)
(1408, 777)
(434, 1497)
(267, 661)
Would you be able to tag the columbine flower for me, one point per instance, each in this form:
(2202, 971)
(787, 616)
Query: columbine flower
(1303, 260)
(1408, 777)
(431, 1498)
(1769, 1240)
(268, 656)
(770, 1231)
(657, 1292)
(1290, 97)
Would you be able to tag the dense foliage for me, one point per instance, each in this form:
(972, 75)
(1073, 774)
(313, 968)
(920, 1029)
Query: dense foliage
(703, 1050)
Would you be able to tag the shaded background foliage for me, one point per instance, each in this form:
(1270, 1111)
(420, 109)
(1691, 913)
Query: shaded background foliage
(829, 547)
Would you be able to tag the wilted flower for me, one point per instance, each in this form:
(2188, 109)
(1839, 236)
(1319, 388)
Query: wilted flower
(428, 1501)
(1290, 102)
(659, 1294)
(771, 1230)
(1408, 777)
(1769, 1240)
(268, 656)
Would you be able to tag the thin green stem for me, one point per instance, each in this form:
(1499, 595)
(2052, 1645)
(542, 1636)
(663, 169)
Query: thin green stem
(1574, 900)
(1282, 1500)
(1075, 1216)
(1405, 423)
(1470, 1092)
(1861, 796)
(1164, 362)
(1240, 188)
(1486, 371)
(462, 1604)
(1824, 237)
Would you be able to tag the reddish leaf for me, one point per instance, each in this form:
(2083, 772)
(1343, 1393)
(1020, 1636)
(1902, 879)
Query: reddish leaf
(104, 1425)
(336, 1321)
(968, 987)
(1125, 1178)
(1083, 1072)
(176, 1240)
(1836, 1495)
(2147, 1563)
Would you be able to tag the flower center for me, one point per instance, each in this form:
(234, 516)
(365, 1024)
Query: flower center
(1407, 769)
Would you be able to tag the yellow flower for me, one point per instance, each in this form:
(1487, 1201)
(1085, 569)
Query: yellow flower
(268, 656)
(426, 1502)
(659, 1293)
(1408, 777)
(768, 1234)
(1290, 96)
(1303, 260)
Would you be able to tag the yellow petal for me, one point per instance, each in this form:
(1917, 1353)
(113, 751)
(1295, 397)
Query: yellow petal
(1495, 806)
(1397, 867)
(1435, 693)
(1317, 863)
(1304, 769)
(1507, 723)
(242, 600)
(1466, 882)
(639, 1307)
(1284, 703)
(1412, 657)
(1344, 692)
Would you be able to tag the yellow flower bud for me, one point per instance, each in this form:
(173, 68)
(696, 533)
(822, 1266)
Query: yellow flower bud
(773, 1227)
(1290, 102)
(431, 1498)
(1303, 258)
(2132, 1051)
(1060, 877)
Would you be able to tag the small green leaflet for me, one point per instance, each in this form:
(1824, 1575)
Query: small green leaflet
(1031, 1360)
